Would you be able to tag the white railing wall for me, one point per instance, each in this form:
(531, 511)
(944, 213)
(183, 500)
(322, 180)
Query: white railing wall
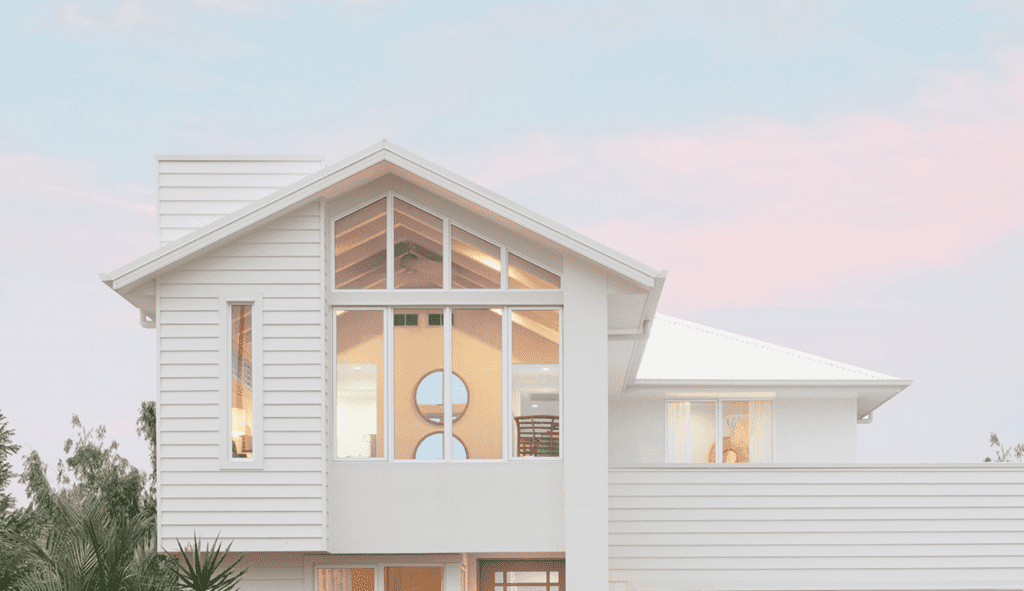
(853, 526)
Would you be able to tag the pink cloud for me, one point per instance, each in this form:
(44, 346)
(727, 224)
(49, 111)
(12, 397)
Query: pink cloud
(760, 211)
(532, 155)
(69, 180)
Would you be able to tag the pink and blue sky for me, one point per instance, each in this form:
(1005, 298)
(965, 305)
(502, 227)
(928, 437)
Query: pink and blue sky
(838, 178)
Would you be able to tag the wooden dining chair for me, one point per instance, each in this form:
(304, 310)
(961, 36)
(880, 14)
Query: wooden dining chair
(537, 435)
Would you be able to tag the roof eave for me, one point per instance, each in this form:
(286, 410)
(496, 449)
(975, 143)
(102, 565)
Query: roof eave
(665, 385)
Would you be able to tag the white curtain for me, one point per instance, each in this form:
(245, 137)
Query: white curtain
(680, 448)
(761, 431)
(335, 579)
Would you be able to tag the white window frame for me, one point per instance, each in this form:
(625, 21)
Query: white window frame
(510, 443)
(507, 434)
(226, 300)
(379, 569)
(387, 318)
(447, 224)
(718, 423)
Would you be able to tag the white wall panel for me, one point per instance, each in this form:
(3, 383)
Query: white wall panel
(281, 506)
(193, 191)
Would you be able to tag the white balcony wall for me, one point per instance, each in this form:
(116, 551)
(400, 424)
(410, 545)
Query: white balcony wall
(193, 191)
(280, 507)
(865, 527)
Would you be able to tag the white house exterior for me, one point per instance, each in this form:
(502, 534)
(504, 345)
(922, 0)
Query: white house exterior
(380, 375)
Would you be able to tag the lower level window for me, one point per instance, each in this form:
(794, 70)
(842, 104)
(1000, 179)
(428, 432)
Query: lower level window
(719, 431)
(396, 578)
(344, 579)
(522, 575)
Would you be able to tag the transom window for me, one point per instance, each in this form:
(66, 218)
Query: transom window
(719, 431)
(426, 252)
(447, 383)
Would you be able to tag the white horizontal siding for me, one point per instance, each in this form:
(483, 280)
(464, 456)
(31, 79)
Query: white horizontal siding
(281, 506)
(194, 191)
(803, 527)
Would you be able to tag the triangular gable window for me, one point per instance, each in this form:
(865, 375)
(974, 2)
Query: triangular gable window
(417, 259)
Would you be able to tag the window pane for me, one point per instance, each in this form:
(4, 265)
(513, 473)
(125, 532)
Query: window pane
(360, 248)
(527, 577)
(523, 274)
(241, 381)
(476, 362)
(535, 395)
(761, 431)
(414, 578)
(359, 406)
(691, 432)
(345, 579)
(735, 432)
(419, 352)
(419, 239)
(476, 263)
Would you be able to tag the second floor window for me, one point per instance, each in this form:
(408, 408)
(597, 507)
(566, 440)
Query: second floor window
(393, 244)
(719, 431)
(447, 383)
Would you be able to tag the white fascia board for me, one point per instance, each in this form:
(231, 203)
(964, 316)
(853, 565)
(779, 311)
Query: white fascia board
(671, 385)
(287, 197)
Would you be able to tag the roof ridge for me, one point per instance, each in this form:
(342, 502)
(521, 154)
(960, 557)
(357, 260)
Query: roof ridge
(770, 346)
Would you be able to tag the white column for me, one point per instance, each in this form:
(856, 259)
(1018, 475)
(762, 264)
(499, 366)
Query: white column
(585, 424)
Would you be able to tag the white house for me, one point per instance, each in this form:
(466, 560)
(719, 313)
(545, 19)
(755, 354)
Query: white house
(380, 375)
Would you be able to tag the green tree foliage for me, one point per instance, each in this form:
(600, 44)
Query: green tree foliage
(91, 469)
(93, 528)
(13, 566)
(145, 426)
(87, 549)
(1013, 454)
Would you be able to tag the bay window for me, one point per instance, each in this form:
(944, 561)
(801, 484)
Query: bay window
(719, 431)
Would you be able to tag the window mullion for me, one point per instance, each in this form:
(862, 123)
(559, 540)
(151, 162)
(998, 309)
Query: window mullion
(390, 247)
(446, 254)
(447, 395)
(718, 431)
(389, 380)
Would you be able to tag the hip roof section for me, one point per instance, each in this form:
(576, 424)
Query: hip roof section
(681, 350)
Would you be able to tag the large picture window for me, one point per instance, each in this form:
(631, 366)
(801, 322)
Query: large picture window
(438, 377)
(719, 431)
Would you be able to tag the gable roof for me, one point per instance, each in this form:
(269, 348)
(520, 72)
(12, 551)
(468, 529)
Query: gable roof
(686, 351)
(373, 162)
